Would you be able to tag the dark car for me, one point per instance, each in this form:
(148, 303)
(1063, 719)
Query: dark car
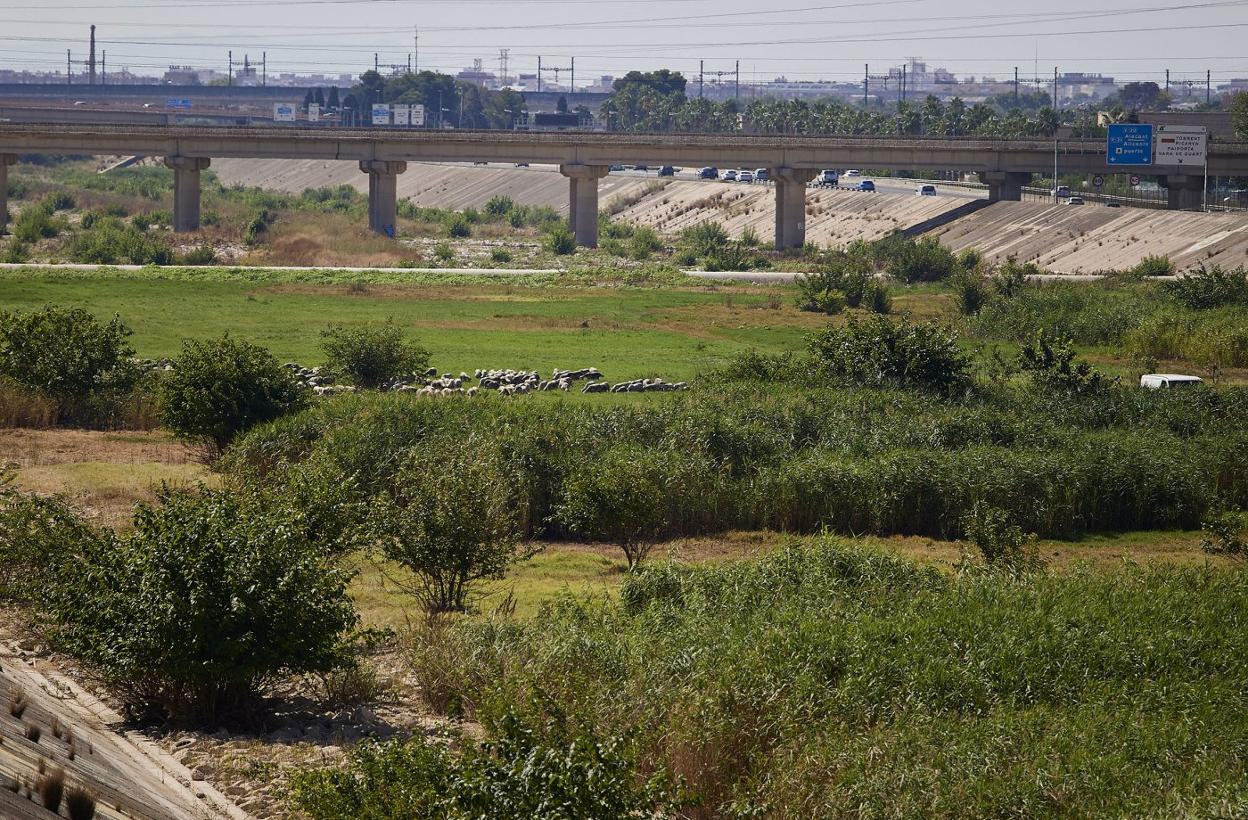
(708, 173)
(866, 185)
(667, 171)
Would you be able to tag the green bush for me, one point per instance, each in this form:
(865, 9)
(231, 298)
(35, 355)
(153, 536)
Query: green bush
(621, 498)
(499, 206)
(544, 772)
(1153, 266)
(372, 354)
(200, 255)
(1002, 543)
(500, 256)
(644, 242)
(443, 253)
(211, 599)
(1212, 287)
(84, 365)
(842, 279)
(458, 227)
(561, 242)
(223, 387)
(15, 252)
(876, 352)
(971, 290)
(1051, 363)
(34, 223)
(733, 256)
(111, 241)
(908, 260)
(1225, 532)
(452, 527)
(703, 239)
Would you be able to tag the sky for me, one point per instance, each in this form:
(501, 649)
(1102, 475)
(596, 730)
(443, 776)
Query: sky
(800, 39)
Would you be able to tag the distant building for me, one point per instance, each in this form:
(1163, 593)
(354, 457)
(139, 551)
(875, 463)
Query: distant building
(181, 75)
(1083, 87)
(477, 75)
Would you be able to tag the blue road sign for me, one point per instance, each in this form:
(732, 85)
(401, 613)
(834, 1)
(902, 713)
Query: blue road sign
(183, 104)
(1129, 145)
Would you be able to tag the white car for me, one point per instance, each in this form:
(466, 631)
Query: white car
(827, 178)
(745, 176)
(853, 173)
(730, 175)
(1161, 381)
(926, 190)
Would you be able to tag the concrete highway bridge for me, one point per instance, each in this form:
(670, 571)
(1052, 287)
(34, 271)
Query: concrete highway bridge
(585, 157)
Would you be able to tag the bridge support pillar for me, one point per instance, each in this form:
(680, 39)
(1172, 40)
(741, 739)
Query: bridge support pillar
(1184, 192)
(791, 205)
(583, 201)
(5, 161)
(186, 191)
(1004, 186)
(383, 194)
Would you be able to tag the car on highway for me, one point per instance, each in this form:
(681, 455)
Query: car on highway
(745, 176)
(729, 176)
(708, 173)
(827, 178)
(615, 168)
(866, 185)
(926, 190)
(1075, 200)
(762, 175)
(522, 165)
(1063, 191)
(641, 167)
(852, 173)
(1113, 204)
(667, 171)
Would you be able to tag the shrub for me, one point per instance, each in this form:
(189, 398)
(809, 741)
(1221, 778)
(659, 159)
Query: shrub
(451, 527)
(15, 252)
(141, 222)
(499, 206)
(971, 290)
(1051, 363)
(644, 241)
(58, 201)
(372, 354)
(733, 256)
(223, 387)
(111, 241)
(1225, 532)
(703, 239)
(34, 223)
(66, 353)
(499, 256)
(908, 260)
(458, 227)
(749, 237)
(545, 771)
(1208, 288)
(443, 253)
(208, 601)
(840, 280)
(876, 352)
(561, 242)
(1153, 266)
(1009, 278)
(1002, 543)
(619, 497)
(201, 255)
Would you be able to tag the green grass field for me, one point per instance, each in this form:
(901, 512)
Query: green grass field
(627, 332)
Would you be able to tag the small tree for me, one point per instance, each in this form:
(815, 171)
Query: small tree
(876, 352)
(210, 600)
(223, 387)
(1225, 532)
(1052, 364)
(373, 354)
(620, 498)
(69, 355)
(451, 525)
(1002, 543)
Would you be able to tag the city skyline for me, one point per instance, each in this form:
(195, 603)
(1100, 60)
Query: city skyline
(799, 41)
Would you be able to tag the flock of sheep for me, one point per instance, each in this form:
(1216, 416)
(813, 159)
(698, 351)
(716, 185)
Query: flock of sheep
(506, 382)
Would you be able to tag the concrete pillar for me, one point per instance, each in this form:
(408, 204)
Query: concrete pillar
(1184, 192)
(1005, 186)
(5, 161)
(383, 194)
(583, 201)
(186, 191)
(791, 205)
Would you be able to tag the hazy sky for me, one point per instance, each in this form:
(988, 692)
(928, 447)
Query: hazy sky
(802, 39)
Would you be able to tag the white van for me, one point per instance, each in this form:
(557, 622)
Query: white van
(1159, 381)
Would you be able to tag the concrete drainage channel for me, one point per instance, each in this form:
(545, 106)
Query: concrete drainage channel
(51, 729)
